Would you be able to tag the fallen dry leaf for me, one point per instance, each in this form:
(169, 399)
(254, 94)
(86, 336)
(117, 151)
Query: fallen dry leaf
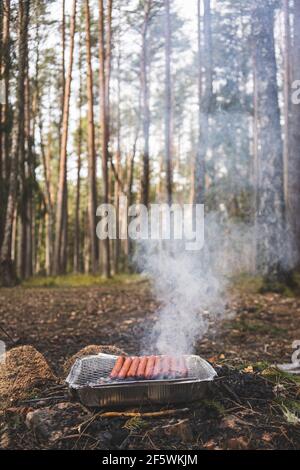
(267, 437)
(237, 443)
(210, 445)
(229, 422)
(213, 359)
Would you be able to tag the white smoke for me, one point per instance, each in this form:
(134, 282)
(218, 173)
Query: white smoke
(191, 286)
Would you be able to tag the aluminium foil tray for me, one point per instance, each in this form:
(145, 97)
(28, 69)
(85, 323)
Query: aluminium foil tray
(89, 381)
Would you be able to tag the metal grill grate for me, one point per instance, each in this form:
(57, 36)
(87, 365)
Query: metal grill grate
(93, 371)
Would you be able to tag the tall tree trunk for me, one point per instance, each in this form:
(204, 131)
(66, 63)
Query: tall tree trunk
(7, 275)
(145, 102)
(46, 157)
(255, 167)
(46, 164)
(76, 259)
(30, 179)
(1, 107)
(270, 184)
(92, 190)
(294, 151)
(5, 120)
(23, 180)
(287, 91)
(192, 162)
(64, 237)
(107, 57)
(204, 99)
(63, 154)
(117, 188)
(104, 124)
(168, 105)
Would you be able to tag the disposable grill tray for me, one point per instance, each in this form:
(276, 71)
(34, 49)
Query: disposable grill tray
(89, 380)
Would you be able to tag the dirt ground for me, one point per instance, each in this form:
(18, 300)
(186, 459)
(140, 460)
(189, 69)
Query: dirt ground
(251, 405)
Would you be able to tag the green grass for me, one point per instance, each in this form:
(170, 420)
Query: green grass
(215, 406)
(79, 280)
(248, 283)
(245, 326)
(280, 377)
(255, 284)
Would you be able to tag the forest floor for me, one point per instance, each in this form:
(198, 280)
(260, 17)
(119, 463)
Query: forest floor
(251, 405)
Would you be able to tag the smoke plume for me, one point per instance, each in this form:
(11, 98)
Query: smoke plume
(191, 286)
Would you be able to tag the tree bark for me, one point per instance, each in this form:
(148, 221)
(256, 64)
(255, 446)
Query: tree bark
(76, 255)
(30, 179)
(61, 198)
(117, 188)
(46, 158)
(92, 190)
(4, 110)
(64, 237)
(270, 184)
(5, 121)
(145, 102)
(8, 275)
(1, 106)
(168, 105)
(287, 91)
(294, 151)
(204, 100)
(104, 116)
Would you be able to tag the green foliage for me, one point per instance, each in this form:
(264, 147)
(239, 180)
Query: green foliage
(135, 424)
(214, 406)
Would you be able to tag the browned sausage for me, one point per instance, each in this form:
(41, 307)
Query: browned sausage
(183, 367)
(180, 367)
(117, 367)
(166, 366)
(173, 367)
(157, 370)
(142, 367)
(133, 368)
(150, 367)
(125, 368)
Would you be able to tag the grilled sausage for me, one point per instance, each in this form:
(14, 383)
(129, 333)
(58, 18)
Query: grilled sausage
(183, 367)
(133, 368)
(157, 370)
(173, 367)
(125, 368)
(179, 371)
(150, 367)
(117, 367)
(166, 367)
(142, 367)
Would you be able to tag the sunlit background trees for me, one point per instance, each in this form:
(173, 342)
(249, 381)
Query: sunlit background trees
(158, 100)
